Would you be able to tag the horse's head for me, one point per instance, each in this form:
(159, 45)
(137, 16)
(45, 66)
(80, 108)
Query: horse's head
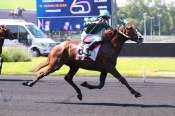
(4, 32)
(131, 33)
(125, 33)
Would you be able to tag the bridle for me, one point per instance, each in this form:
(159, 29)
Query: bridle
(139, 36)
(117, 32)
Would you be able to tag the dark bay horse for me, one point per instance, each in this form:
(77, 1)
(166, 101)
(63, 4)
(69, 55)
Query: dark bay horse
(4, 33)
(65, 54)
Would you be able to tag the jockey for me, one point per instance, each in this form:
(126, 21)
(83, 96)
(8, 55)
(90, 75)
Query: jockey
(122, 20)
(93, 31)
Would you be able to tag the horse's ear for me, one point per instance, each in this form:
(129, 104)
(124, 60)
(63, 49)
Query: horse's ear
(130, 24)
(2, 26)
(122, 28)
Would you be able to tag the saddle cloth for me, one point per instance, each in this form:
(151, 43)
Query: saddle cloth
(93, 53)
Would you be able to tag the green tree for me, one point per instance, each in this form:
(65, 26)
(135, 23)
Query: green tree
(155, 10)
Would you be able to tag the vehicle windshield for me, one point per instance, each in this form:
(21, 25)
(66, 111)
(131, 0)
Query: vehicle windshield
(37, 33)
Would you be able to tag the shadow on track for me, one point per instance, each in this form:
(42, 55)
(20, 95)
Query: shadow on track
(13, 80)
(115, 104)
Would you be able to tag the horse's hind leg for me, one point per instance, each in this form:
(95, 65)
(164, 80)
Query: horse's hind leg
(41, 65)
(101, 84)
(51, 68)
(69, 78)
(41, 75)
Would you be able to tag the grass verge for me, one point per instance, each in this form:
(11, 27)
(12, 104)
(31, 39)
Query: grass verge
(130, 67)
(12, 4)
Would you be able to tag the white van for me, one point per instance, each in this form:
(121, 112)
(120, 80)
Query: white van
(28, 35)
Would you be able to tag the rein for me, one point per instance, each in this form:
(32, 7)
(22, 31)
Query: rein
(115, 33)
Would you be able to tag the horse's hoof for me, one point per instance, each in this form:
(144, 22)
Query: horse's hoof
(84, 84)
(137, 94)
(79, 96)
(27, 84)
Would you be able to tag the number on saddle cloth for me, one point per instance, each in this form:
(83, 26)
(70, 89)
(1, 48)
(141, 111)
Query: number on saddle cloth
(82, 56)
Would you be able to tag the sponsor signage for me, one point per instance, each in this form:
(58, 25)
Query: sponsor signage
(69, 14)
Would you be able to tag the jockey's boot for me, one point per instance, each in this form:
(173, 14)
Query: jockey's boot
(93, 44)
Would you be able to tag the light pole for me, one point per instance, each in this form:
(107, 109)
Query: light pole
(159, 15)
(114, 8)
(151, 27)
(144, 18)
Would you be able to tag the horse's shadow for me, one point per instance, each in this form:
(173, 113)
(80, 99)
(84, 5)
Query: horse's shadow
(115, 104)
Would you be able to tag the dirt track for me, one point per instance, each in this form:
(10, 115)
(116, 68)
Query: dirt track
(54, 97)
(29, 15)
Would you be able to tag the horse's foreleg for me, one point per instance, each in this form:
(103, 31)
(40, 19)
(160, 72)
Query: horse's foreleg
(69, 78)
(117, 75)
(101, 84)
(1, 62)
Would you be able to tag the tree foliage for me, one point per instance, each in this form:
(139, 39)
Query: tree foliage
(155, 11)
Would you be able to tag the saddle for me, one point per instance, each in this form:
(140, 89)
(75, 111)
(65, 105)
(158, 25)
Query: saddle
(82, 56)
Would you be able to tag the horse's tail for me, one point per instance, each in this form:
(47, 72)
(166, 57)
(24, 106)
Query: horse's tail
(54, 56)
(40, 66)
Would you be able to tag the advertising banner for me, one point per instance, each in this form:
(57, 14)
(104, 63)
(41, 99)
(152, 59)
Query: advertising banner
(70, 13)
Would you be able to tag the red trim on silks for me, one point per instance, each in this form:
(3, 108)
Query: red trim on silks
(86, 40)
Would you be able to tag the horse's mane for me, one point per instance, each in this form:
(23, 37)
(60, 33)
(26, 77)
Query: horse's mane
(122, 28)
(109, 34)
(120, 32)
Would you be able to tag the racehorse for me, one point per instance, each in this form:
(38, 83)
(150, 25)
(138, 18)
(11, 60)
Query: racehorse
(4, 33)
(18, 14)
(65, 54)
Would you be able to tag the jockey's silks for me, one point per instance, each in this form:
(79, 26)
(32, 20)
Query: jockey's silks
(95, 28)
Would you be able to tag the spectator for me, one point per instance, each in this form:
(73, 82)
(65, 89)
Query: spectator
(47, 27)
(20, 13)
(16, 10)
